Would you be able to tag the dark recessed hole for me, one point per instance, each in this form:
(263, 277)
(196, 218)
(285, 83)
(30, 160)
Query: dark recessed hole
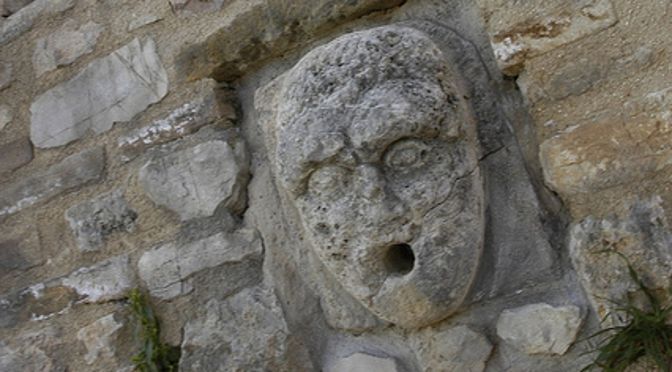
(399, 259)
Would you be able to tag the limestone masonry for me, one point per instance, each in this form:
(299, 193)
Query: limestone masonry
(328, 185)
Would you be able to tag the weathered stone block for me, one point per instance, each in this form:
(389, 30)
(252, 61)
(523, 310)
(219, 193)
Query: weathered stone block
(99, 338)
(65, 46)
(107, 280)
(255, 34)
(606, 153)
(642, 235)
(452, 350)
(9, 7)
(75, 170)
(111, 89)
(540, 328)
(15, 154)
(92, 221)
(521, 31)
(166, 269)
(21, 21)
(182, 121)
(247, 332)
(195, 181)
(360, 362)
(20, 249)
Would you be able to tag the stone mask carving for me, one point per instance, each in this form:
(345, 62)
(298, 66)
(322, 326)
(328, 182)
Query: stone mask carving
(376, 148)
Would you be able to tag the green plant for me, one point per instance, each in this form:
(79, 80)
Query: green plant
(155, 356)
(646, 333)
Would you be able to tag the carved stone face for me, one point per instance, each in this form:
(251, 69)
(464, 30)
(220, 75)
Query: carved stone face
(376, 148)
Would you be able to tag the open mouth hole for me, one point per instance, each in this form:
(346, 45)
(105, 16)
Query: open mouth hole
(399, 259)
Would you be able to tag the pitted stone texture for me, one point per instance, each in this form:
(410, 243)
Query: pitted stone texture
(247, 332)
(166, 270)
(99, 338)
(184, 120)
(64, 46)
(75, 170)
(360, 362)
(521, 31)
(21, 21)
(455, 349)
(105, 281)
(111, 89)
(540, 328)
(92, 221)
(6, 76)
(255, 33)
(383, 170)
(642, 235)
(195, 181)
(15, 154)
(5, 116)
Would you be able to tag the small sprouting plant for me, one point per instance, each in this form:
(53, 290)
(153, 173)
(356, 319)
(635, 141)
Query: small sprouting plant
(646, 333)
(155, 356)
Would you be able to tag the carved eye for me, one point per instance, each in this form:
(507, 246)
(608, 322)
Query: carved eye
(406, 154)
(329, 181)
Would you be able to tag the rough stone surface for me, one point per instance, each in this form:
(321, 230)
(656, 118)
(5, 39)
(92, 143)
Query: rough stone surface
(65, 46)
(452, 350)
(360, 362)
(5, 116)
(642, 235)
(92, 221)
(264, 35)
(182, 121)
(29, 355)
(111, 89)
(20, 251)
(603, 154)
(379, 168)
(540, 328)
(73, 171)
(107, 280)
(21, 21)
(195, 181)
(542, 26)
(188, 7)
(247, 332)
(9, 7)
(99, 337)
(6, 76)
(15, 154)
(166, 269)
(143, 20)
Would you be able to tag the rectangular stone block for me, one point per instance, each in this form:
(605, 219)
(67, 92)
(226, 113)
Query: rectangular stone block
(165, 269)
(111, 89)
(74, 171)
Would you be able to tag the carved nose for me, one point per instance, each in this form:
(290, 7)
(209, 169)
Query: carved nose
(371, 182)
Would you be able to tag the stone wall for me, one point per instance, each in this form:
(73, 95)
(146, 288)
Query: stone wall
(213, 154)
